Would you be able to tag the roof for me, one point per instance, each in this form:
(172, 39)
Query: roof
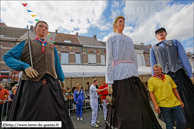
(103, 43)
(32, 35)
(12, 32)
(89, 41)
(3, 24)
(60, 37)
(142, 47)
(138, 47)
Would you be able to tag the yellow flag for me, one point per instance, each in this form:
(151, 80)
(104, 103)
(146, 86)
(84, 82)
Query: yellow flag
(33, 15)
(48, 34)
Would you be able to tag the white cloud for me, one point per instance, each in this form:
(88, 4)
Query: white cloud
(71, 15)
(189, 49)
(189, 42)
(106, 37)
(146, 17)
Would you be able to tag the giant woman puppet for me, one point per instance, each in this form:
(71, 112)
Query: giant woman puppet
(131, 109)
(33, 100)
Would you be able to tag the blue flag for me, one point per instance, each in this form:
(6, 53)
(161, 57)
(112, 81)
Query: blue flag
(29, 11)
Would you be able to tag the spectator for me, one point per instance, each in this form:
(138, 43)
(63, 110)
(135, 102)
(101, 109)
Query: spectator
(94, 102)
(79, 99)
(44, 81)
(68, 90)
(73, 89)
(72, 103)
(103, 95)
(9, 90)
(3, 92)
(11, 96)
(147, 90)
(88, 84)
(166, 99)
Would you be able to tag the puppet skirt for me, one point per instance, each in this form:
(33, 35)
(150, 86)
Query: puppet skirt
(37, 102)
(186, 91)
(132, 109)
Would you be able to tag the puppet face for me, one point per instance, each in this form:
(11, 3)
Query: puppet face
(120, 24)
(157, 71)
(161, 35)
(41, 29)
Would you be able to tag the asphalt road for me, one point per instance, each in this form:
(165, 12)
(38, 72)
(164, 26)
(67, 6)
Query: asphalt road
(87, 116)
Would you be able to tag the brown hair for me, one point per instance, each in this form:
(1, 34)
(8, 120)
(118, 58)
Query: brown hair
(94, 80)
(77, 86)
(115, 22)
(42, 22)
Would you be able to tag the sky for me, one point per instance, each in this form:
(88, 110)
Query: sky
(89, 18)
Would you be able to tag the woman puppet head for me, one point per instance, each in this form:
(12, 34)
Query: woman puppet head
(115, 23)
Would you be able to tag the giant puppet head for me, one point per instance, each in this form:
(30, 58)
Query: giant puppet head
(161, 34)
(119, 23)
(41, 29)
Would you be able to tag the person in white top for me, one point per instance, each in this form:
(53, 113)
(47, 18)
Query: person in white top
(94, 102)
(131, 106)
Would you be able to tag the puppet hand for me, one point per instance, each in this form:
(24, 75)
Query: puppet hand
(192, 80)
(63, 85)
(110, 90)
(31, 73)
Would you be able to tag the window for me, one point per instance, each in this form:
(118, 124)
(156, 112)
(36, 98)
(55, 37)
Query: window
(6, 74)
(64, 58)
(149, 60)
(102, 59)
(77, 58)
(67, 41)
(140, 60)
(91, 59)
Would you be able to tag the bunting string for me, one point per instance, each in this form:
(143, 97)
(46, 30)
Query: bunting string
(25, 4)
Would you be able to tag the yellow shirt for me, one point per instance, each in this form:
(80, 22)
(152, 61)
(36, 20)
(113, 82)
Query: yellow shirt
(163, 93)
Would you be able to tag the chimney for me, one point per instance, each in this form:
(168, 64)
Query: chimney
(56, 31)
(188, 53)
(77, 33)
(94, 36)
(31, 27)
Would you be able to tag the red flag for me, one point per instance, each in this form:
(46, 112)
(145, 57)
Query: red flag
(24, 4)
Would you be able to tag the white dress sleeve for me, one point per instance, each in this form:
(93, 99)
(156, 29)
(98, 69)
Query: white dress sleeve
(109, 63)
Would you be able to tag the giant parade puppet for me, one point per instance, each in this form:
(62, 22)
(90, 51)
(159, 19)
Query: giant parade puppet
(131, 108)
(39, 60)
(171, 55)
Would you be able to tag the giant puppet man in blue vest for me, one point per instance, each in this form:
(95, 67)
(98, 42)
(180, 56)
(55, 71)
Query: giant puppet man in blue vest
(171, 55)
(35, 101)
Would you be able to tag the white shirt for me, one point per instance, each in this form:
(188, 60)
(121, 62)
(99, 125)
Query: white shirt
(120, 47)
(93, 93)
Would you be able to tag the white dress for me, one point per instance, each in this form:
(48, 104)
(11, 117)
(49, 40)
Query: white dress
(120, 47)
